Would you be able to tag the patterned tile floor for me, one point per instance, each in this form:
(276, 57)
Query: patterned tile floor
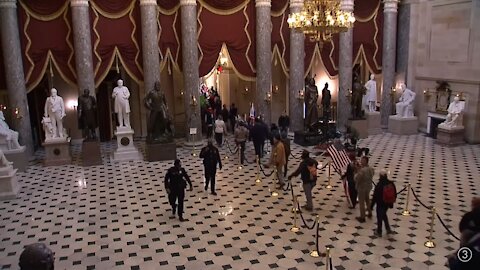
(116, 216)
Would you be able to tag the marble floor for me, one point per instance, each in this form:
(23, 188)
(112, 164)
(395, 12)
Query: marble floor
(116, 216)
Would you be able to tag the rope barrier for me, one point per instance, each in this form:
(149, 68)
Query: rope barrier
(403, 189)
(266, 175)
(229, 149)
(303, 219)
(291, 154)
(418, 200)
(287, 186)
(317, 234)
(446, 228)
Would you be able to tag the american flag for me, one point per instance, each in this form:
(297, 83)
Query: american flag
(340, 159)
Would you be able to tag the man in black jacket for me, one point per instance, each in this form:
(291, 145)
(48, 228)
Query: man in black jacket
(382, 206)
(308, 179)
(258, 134)
(211, 157)
(175, 183)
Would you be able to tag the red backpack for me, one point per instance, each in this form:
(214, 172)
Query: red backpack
(389, 195)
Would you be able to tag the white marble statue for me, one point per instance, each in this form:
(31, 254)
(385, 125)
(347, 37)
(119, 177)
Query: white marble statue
(371, 94)
(55, 112)
(122, 107)
(3, 161)
(10, 136)
(406, 102)
(455, 115)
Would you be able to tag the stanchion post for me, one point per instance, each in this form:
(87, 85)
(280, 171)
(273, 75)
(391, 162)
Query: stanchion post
(295, 208)
(329, 185)
(257, 177)
(430, 243)
(405, 211)
(294, 228)
(274, 192)
(314, 253)
(240, 159)
(193, 141)
(328, 258)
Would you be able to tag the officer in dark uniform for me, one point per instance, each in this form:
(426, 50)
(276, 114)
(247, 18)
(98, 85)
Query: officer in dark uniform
(175, 184)
(211, 157)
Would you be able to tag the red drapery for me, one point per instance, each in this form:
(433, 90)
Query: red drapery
(168, 4)
(46, 35)
(281, 32)
(169, 21)
(222, 4)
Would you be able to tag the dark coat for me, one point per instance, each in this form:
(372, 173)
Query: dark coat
(177, 178)
(303, 171)
(211, 157)
(378, 193)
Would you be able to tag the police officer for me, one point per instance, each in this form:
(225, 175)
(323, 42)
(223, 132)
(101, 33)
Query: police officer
(175, 184)
(211, 157)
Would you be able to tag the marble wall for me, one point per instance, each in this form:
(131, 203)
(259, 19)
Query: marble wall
(444, 44)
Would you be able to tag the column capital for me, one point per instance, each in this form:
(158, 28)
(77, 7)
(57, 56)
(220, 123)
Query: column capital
(346, 5)
(79, 3)
(296, 3)
(8, 3)
(188, 2)
(390, 6)
(148, 2)
(263, 3)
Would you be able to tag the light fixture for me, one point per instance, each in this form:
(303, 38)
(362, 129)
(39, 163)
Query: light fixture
(268, 97)
(223, 59)
(275, 89)
(301, 94)
(72, 104)
(193, 101)
(394, 91)
(245, 91)
(426, 94)
(320, 19)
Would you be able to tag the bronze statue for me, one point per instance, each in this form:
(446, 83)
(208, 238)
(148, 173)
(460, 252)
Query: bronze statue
(326, 99)
(311, 97)
(159, 126)
(358, 91)
(87, 115)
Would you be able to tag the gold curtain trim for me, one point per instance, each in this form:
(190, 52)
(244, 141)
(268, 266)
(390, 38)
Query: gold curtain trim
(369, 17)
(169, 11)
(249, 39)
(240, 75)
(221, 11)
(276, 52)
(176, 37)
(316, 53)
(112, 15)
(65, 78)
(379, 67)
(330, 55)
(129, 72)
(282, 11)
(95, 46)
(27, 48)
(44, 18)
(200, 27)
(169, 57)
(281, 36)
(70, 45)
(159, 34)
(132, 37)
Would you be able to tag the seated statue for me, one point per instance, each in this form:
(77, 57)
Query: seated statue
(159, 126)
(3, 161)
(406, 102)
(8, 135)
(455, 115)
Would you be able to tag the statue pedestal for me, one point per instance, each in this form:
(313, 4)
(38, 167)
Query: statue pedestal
(18, 157)
(91, 154)
(125, 149)
(373, 123)
(450, 136)
(403, 125)
(57, 152)
(360, 125)
(8, 183)
(161, 151)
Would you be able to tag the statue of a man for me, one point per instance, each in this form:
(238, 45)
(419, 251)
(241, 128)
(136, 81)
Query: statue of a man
(358, 90)
(371, 95)
(87, 115)
(326, 100)
(55, 111)
(3, 160)
(122, 106)
(455, 114)
(11, 136)
(405, 105)
(311, 97)
(159, 128)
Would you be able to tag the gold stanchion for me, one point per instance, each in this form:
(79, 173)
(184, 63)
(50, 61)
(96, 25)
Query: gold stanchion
(405, 211)
(430, 243)
(193, 149)
(294, 227)
(327, 255)
(239, 159)
(295, 208)
(329, 185)
(257, 177)
(314, 253)
(275, 178)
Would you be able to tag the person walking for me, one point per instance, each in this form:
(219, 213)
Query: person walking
(284, 122)
(225, 115)
(277, 159)
(363, 183)
(233, 116)
(349, 182)
(220, 129)
(309, 180)
(175, 183)
(241, 136)
(211, 157)
(258, 135)
(384, 196)
(209, 122)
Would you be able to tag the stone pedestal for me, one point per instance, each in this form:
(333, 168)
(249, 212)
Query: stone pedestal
(91, 154)
(161, 151)
(453, 136)
(57, 152)
(360, 125)
(125, 148)
(18, 157)
(8, 183)
(373, 123)
(403, 125)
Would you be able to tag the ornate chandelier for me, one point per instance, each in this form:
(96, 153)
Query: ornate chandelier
(320, 19)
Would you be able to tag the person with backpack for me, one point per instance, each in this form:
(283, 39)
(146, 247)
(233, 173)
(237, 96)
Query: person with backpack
(384, 197)
(176, 181)
(211, 157)
(308, 173)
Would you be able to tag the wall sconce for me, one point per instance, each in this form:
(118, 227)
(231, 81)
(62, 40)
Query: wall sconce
(268, 97)
(394, 91)
(223, 59)
(3, 107)
(426, 94)
(301, 95)
(349, 95)
(245, 91)
(17, 114)
(275, 89)
(72, 104)
(193, 101)
(460, 96)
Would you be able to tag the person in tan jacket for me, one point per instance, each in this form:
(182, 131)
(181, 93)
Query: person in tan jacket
(363, 183)
(278, 159)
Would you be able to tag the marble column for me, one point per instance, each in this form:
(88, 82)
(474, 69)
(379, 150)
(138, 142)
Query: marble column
(388, 58)
(150, 49)
(403, 32)
(264, 58)
(297, 72)
(345, 72)
(15, 78)
(188, 10)
(83, 45)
